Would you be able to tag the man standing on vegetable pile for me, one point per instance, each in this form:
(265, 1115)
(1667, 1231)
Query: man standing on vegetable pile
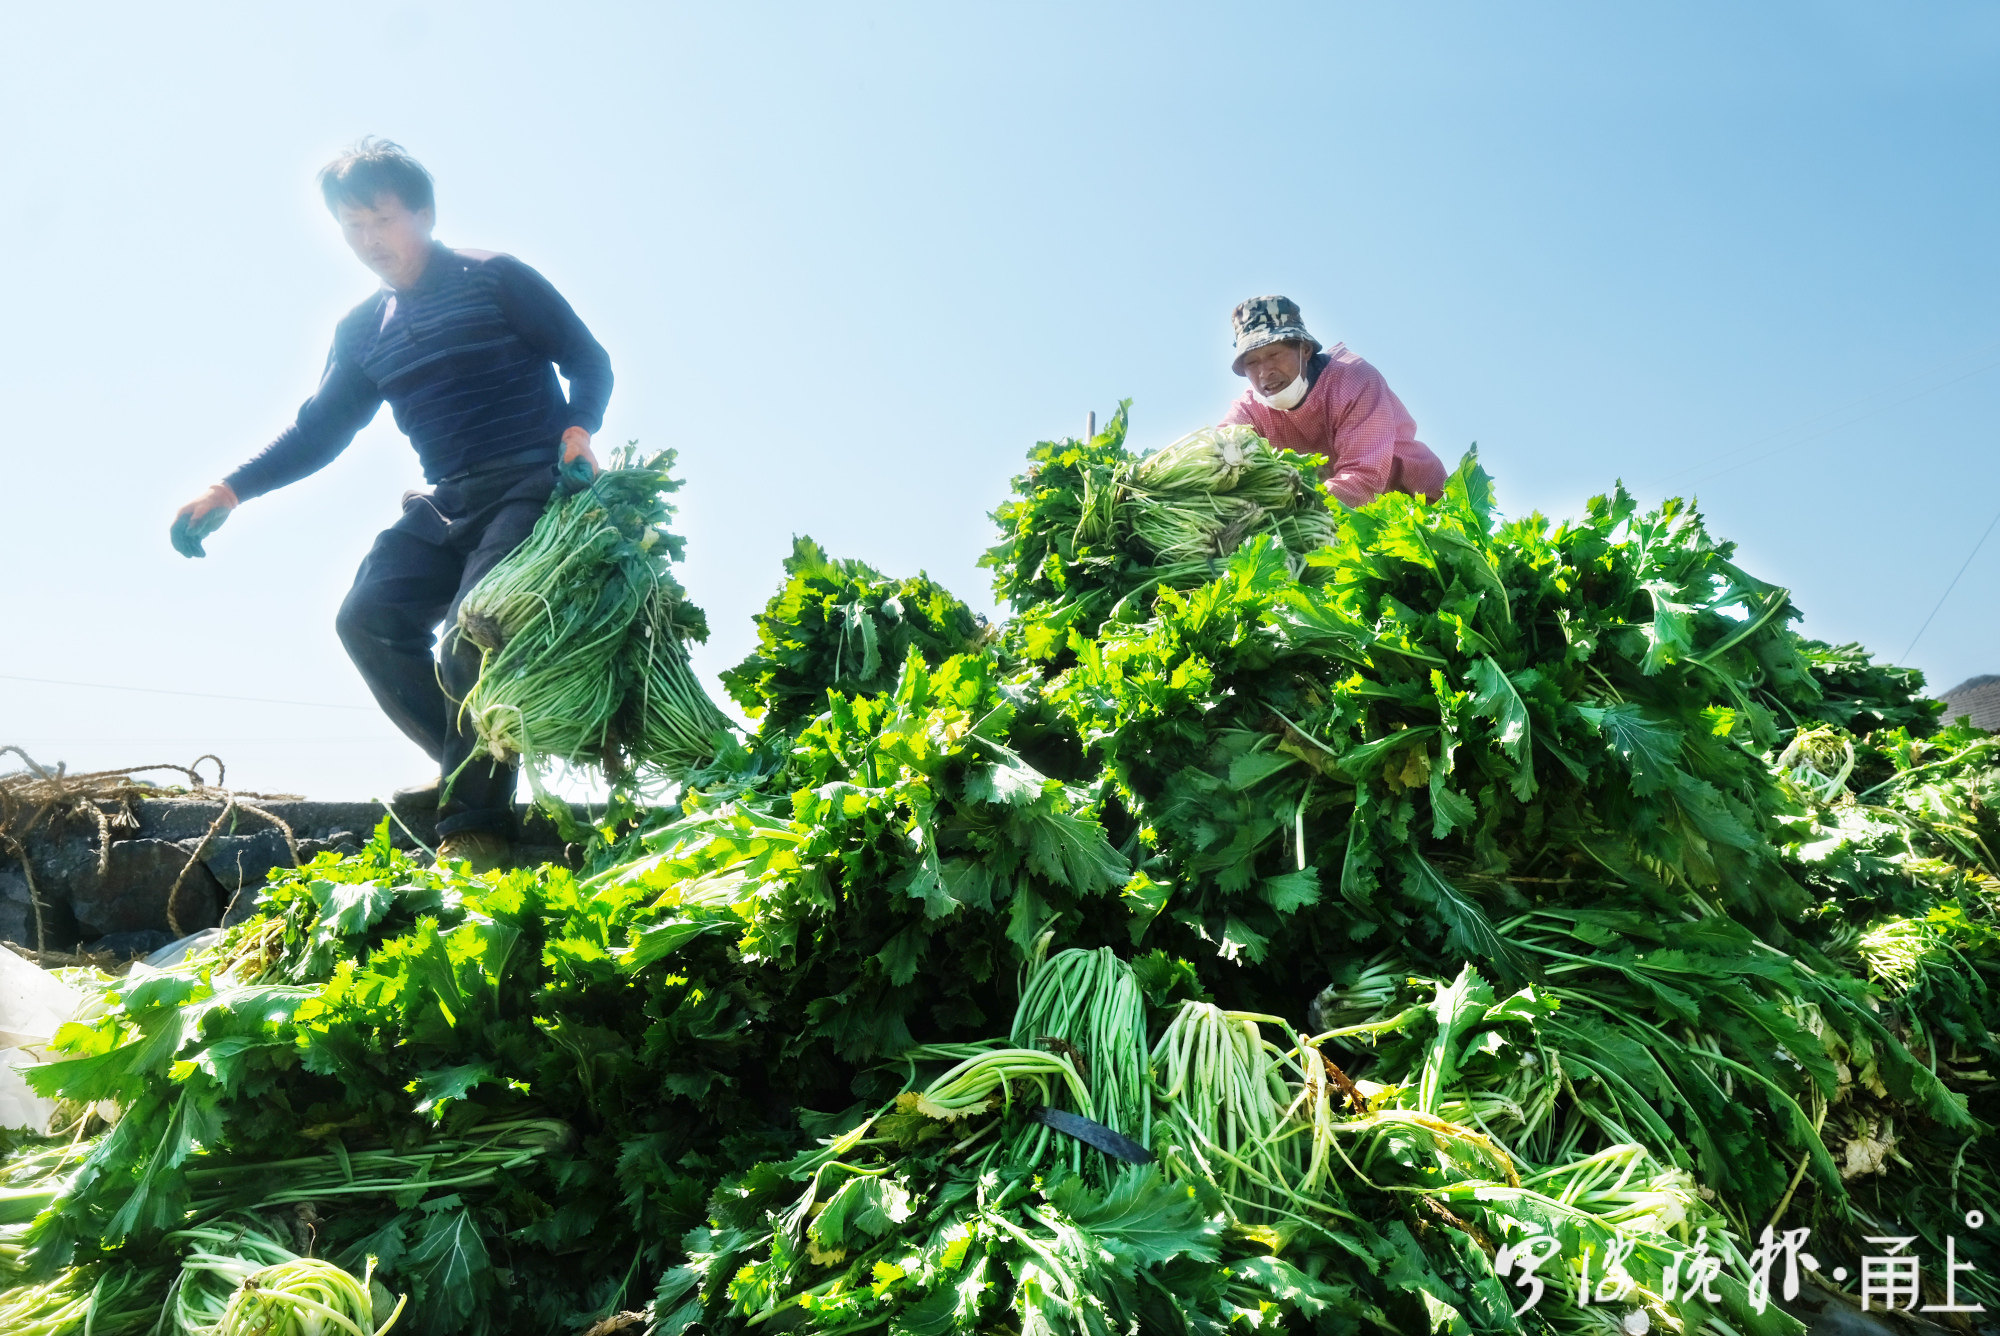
(1327, 403)
(464, 346)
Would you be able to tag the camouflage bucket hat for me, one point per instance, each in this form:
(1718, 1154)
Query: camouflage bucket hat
(1263, 320)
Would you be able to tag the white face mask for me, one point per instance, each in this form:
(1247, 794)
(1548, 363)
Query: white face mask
(1291, 396)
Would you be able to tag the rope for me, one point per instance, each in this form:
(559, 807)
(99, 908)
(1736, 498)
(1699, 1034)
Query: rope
(39, 795)
(229, 806)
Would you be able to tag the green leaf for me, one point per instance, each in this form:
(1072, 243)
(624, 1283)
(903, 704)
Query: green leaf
(1291, 891)
(1670, 635)
(452, 1268)
(1359, 763)
(1253, 768)
(1028, 915)
(225, 1060)
(1288, 1286)
(656, 943)
(936, 1314)
(974, 883)
(1006, 782)
(1475, 564)
(903, 954)
(861, 1211)
(1469, 933)
(1494, 697)
(385, 1244)
(1241, 941)
(1650, 748)
(861, 626)
(1070, 850)
(924, 880)
(439, 1086)
(1450, 809)
(350, 909)
(678, 1301)
(1143, 1220)
(1471, 488)
(1145, 898)
(1358, 867)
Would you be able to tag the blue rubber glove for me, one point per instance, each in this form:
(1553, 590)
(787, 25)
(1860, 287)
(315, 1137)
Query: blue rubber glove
(188, 531)
(575, 476)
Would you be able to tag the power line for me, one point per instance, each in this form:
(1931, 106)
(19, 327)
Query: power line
(198, 695)
(1995, 521)
(1852, 404)
(1858, 417)
(275, 741)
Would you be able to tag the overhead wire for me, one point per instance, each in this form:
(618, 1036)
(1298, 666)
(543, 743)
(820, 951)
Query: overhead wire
(1851, 405)
(1965, 566)
(165, 691)
(350, 740)
(1838, 426)
(1863, 415)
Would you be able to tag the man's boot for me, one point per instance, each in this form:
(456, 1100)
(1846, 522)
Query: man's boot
(481, 850)
(423, 797)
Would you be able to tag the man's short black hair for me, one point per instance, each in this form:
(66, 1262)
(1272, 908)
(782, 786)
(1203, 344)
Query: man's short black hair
(374, 167)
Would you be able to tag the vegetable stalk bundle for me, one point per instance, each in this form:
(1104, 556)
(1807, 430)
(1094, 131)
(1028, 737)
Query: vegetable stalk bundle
(583, 629)
(1202, 496)
(674, 721)
(238, 1281)
(100, 1299)
(1095, 533)
(1087, 1004)
(1225, 1103)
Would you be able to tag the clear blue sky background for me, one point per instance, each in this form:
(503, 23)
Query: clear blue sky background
(852, 260)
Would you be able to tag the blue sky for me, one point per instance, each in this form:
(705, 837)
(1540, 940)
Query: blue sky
(852, 260)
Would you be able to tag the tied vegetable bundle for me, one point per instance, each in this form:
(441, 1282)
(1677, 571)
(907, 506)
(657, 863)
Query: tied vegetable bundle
(1093, 529)
(842, 626)
(1258, 1170)
(583, 631)
(1204, 494)
(1331, 940)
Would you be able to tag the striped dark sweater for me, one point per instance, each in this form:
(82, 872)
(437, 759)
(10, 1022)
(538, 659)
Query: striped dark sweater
(466, 359)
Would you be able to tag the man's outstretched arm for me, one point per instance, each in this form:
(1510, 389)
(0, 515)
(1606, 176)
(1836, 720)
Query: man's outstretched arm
(345, 402)
(327, 424)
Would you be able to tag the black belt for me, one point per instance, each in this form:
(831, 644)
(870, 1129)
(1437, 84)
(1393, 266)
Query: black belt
(538, 454)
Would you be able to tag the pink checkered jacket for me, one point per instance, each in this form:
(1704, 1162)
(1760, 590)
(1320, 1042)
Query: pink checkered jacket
(1353, 418)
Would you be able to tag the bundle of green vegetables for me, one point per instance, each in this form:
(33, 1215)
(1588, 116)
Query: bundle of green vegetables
(842, 626)
(238, 1281)
(1204, 494)
(950, 1209)
(1091, 527)
(583, 631)
(1461, 925)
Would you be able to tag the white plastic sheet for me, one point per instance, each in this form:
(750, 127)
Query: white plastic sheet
(20, 1106)
(173, 953)
(33, 1005)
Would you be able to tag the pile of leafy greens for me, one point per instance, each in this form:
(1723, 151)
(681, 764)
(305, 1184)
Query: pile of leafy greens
(1295, 918)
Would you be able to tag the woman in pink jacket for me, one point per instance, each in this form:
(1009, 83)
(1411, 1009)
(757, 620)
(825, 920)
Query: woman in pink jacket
(1327, 403)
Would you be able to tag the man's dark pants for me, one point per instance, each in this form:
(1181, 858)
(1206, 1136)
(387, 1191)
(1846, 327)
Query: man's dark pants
(412, 581)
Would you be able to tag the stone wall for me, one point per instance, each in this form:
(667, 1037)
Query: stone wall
(124, 908)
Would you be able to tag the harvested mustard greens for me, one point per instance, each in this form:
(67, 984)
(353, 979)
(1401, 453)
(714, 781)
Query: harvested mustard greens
(1402, 919)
